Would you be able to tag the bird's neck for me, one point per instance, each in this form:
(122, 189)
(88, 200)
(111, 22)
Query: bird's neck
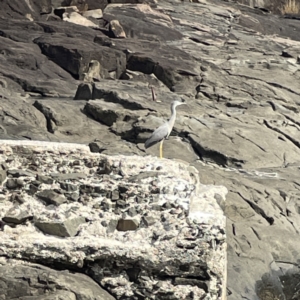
(173, 114)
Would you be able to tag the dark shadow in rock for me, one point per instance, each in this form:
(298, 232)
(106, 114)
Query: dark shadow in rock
(269, 288)
(281, 283)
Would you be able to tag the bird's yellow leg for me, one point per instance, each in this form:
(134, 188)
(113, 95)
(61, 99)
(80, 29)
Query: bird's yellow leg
(161, 149)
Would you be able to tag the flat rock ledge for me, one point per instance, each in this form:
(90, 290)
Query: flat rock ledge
(140, 227)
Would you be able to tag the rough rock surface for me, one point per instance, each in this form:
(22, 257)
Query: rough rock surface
(237, 66)
(24, 280)
(140, 227)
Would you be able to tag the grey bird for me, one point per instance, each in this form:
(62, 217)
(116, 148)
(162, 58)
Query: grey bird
(163, 131)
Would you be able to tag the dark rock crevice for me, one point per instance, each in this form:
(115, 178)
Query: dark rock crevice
(259, 211)
(291, 139)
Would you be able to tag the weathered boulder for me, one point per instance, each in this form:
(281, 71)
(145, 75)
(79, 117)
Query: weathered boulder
(127, 224)
(16, 216)
(114, 232)
(51, 197)
(36, 282)
(66, 228)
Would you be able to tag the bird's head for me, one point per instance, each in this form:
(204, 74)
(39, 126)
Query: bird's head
(178, 102)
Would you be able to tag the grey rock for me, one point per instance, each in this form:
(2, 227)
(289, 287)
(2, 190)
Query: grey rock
(156, 207)
(146, 28)
(131, 212)
(92, 4)
(19, 173)
(28, 74)
(111, 60)
(107, 205)
(3, 175)
(67, 228)
(149, 220)
(102, 240)
(84, 91)
(127, 224)
(72, 196)
(115, 195)
(121, 204)
(20, 182)
(32, 189)
(95, 72)
(113, 148)
(44, 179)
(102, 112)
(60, 125)
(192, 282)
(68, 187)
(17, 198)
(291, 52)
(112, 226)
(94, 13)
(68, 176)
(82, 5)
(59, 11)
(12, 183)
(96, 147)
(85, 188)
(145, 175)
(116, 29)
(34, 282)
(51, 197)
(104, 223)
(23, 150)
(16, 217)
(123, 188)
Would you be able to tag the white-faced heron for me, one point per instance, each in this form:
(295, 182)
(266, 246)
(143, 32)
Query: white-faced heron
(163, 131)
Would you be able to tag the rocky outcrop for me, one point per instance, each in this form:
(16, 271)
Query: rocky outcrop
(140, 227)
(237, 68)
(24, 280)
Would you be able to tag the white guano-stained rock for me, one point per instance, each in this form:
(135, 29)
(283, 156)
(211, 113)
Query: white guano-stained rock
(172, 239)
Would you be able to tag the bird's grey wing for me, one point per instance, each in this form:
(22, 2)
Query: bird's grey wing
(158, 135)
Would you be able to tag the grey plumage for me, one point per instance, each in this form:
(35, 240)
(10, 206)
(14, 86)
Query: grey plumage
(164, 130)
(158, 135)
